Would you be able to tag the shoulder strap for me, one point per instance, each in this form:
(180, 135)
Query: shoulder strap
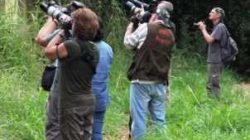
(228, 33)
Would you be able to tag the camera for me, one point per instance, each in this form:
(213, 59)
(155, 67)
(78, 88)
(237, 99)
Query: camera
(196, 24)
(60, 13)
(136, 5)
(141, 10)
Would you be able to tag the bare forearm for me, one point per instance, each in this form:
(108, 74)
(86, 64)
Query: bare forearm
(130, 29)
(209, 39)
(51, 48)
(44, 32)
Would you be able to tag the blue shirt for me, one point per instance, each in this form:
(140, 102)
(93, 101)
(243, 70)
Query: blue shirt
(101, 78)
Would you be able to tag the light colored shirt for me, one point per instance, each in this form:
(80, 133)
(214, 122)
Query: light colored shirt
(137, 38)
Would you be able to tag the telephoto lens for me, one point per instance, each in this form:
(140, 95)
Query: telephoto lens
(140, 4)
(74, 6)
(60, 13)
(196, 24)
(130, 5)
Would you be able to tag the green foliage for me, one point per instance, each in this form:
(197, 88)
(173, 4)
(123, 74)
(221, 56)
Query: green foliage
(22, 101)
(237, 20)
(17, 50)
(190, 43)
(22, 108)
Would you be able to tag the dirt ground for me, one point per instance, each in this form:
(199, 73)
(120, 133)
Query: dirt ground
(245, 87)
(123, 134)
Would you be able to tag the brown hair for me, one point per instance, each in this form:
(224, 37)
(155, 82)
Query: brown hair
(85, 23)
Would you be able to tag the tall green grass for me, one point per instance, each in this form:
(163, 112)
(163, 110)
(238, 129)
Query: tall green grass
(191, 115)
(22, 101)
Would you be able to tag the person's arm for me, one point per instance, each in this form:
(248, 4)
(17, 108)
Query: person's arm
(130, 29)
(45, 31)
(136, 38)
(55, 48)
(208, 38)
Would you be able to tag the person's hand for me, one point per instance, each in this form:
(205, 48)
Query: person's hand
(52, 20)
(55, 21)
(201, 25)
(134, 19)
(153, 17)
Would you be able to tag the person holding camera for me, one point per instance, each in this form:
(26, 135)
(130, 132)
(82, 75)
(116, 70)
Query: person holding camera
(215, 40)
(100, 82)
(45, 35)
(148, 73)
(78, 58)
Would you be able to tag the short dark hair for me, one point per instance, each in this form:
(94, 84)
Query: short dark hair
(99, 34)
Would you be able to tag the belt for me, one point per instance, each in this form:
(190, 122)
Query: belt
(146, 82)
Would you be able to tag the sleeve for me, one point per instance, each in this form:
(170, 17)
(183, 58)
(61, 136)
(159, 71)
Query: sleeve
(73, 49)
(218, 32)
(132, 41)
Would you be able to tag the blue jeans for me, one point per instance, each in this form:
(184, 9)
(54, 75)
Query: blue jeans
(98, 125)
(144, 98)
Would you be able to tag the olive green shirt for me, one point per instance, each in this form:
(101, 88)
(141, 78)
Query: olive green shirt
(76, 74)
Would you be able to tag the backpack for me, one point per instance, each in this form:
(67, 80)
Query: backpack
(229, 50)
(48, 77)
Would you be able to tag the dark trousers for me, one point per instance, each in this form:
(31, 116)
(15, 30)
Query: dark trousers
(76, 123)
(52, 129)
(213, 84)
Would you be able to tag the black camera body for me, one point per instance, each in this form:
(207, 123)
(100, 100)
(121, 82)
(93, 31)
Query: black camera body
(141, 10)
(60, 13)
(138, 9)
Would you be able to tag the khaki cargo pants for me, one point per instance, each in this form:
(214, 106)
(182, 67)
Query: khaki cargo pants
(213, 84)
